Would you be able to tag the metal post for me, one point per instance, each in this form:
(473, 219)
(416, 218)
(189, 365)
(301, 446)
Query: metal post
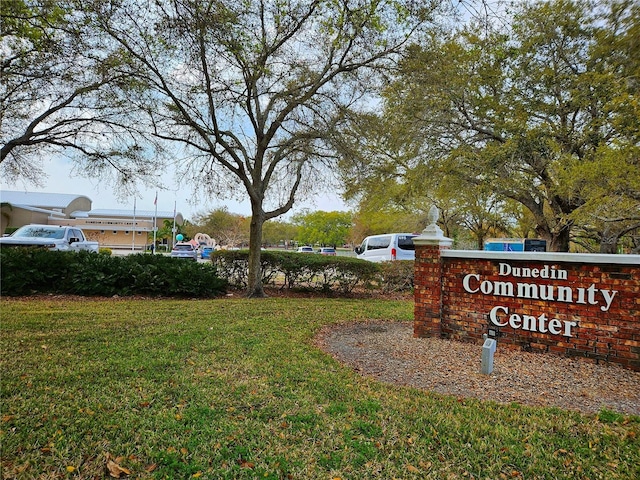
(488, 349)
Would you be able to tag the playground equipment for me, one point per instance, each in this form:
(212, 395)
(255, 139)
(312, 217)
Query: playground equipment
(205, 240)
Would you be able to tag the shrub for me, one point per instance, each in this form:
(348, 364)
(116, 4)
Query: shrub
(397, 276)
(29, 270)
(296, 270)
(25, 270)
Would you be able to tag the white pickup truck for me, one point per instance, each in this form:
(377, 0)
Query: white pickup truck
(52, 237)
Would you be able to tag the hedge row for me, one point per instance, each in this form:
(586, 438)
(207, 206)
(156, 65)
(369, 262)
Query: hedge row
(315, 272)
(397, 276)
(28, 270)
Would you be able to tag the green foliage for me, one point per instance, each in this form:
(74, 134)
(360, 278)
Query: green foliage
(32, 270)
(23, 20)
(323, 228)
(25, 270)
(397, 276)
(377, 157)
(297, 270)
(607, 416)
(534, 113)
(279, 232)
(166, 231)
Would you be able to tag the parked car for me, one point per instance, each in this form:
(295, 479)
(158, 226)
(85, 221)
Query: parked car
(387, 247)
(305, 249)
(184, 250)
(327, 251)
(206, 252)
(53, 237)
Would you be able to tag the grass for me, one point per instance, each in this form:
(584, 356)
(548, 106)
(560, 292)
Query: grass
(235, 388)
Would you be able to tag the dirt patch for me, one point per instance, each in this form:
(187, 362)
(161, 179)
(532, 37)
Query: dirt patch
(388, 352)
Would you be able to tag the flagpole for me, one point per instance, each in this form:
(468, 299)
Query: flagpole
(173, 240)
(133, 240)
(155, 220)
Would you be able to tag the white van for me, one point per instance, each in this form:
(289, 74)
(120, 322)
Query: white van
(387, 247)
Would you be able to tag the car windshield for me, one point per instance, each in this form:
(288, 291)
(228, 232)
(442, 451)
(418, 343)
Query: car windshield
(183, 247)
(40, 232)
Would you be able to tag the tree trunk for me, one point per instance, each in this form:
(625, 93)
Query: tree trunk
(608, 241)
(255, 288)
(557, 240)
(609, 246)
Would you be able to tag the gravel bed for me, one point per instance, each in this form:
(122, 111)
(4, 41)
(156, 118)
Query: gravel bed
(388, 352)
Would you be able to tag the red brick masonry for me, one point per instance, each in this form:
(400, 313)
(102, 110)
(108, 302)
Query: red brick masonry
(565, 304)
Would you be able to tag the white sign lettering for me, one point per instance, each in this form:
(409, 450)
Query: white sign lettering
(500, 315)
(530, 322)
(592, 295)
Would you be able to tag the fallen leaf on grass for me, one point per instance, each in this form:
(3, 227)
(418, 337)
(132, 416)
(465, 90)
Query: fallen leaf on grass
(115, 470)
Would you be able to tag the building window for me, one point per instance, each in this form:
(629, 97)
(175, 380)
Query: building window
(126, 232)
(102, 232)
(139, 232)
(115, 232)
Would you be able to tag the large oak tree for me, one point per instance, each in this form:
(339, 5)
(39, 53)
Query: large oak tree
(528, 113)
(250, 90)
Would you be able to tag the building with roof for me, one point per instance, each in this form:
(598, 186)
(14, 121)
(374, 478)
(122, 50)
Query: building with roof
(119, 229)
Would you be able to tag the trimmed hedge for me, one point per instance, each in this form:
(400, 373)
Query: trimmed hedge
(397, 276)
(34, 270)
(298, 270)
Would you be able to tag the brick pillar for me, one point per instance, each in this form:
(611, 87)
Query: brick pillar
(428, 279)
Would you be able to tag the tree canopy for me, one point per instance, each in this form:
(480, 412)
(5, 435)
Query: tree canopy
(323, 228)
(61, 94)
(530, 123)
(542, 113)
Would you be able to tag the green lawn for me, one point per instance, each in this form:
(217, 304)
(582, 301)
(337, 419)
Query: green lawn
(234, 388)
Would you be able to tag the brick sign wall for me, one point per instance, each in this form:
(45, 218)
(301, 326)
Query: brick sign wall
(566, 304)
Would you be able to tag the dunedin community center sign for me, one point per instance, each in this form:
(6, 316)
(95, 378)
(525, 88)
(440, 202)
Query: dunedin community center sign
(500, 315)
(577, 305)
